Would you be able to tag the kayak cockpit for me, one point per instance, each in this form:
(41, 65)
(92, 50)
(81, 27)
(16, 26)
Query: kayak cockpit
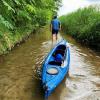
(60, 52)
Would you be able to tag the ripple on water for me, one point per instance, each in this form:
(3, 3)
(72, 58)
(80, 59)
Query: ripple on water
(17, 71)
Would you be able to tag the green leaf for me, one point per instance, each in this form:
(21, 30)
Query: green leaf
(17, 2)
(8, 6)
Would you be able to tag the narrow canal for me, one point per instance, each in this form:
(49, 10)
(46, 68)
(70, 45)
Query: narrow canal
(18, 82)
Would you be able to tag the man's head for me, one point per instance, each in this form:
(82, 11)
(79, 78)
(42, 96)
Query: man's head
(55, 17)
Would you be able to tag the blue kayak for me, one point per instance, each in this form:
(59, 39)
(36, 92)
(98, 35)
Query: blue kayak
(55, 67)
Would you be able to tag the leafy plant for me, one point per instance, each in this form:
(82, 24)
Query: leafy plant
(84, 25)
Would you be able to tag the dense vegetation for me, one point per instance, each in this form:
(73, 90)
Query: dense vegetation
(84, 25)
(19, 17)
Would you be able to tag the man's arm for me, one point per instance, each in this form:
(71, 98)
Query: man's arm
(59, 25)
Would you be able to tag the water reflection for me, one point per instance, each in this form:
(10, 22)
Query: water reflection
(17, 69)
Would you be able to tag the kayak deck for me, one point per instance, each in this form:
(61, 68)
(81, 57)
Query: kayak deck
(54, 72)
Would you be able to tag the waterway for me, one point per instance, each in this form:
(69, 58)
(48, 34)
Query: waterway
(17, 71)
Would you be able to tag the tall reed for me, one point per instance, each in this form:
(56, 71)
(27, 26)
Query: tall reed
(84, 25)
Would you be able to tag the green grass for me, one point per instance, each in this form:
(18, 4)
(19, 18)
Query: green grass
(8, 40)
(84, 25)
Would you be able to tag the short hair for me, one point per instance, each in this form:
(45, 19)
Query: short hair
(55, 17)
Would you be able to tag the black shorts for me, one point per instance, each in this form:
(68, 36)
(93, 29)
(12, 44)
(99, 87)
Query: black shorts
(54, 31)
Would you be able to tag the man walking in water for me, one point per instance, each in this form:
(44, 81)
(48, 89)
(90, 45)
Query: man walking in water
(55, 27)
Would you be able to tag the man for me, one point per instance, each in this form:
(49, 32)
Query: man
(55, 27)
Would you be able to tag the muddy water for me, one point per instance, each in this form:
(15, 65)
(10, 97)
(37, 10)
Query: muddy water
(18, 81)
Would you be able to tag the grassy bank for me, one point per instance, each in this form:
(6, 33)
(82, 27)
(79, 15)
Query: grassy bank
(18, 18)
(8, 39)
(84, 25)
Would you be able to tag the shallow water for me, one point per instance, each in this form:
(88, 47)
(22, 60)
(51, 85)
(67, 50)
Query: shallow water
(18, 68)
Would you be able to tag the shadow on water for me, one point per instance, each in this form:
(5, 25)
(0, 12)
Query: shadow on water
(38, 93)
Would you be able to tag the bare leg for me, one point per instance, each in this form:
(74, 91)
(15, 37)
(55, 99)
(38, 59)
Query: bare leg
(56, 37)
(53, 39)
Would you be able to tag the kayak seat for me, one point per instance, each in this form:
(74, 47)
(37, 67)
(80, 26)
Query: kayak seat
(55, 63)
